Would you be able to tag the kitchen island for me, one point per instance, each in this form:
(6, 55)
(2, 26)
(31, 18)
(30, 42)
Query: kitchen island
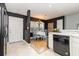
(73, 41)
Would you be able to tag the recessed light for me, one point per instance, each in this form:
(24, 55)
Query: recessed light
(50, 5)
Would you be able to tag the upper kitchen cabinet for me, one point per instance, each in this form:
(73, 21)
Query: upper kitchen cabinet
(56, 23)
(60, 24)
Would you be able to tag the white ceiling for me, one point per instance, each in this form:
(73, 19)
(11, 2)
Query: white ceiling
(44, 10)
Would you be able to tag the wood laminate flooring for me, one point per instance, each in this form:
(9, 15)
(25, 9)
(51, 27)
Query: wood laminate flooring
(39, 45)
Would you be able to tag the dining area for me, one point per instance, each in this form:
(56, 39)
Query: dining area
(38, 36)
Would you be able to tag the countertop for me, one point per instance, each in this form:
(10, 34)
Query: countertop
(65, 33)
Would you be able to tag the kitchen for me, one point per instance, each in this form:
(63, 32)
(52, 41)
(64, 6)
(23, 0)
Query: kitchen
(65, 41)
(61, 26)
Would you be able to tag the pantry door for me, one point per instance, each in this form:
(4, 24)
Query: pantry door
(15, 29)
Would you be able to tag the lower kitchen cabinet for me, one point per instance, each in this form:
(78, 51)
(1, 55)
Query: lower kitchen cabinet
(50, 40)
(75, 46)
(73, 43)
(75, 50)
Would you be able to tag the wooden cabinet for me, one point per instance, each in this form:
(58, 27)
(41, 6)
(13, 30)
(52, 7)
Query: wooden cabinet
(50, 27)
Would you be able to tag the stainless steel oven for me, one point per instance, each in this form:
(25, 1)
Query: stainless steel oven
(61, 45)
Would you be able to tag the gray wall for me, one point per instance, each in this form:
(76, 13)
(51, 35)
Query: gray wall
(71, 21)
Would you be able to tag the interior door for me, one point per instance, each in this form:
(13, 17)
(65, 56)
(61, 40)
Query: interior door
(15, 29)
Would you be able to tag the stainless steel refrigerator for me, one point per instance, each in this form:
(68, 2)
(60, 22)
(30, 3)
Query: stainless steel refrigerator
(3, 30)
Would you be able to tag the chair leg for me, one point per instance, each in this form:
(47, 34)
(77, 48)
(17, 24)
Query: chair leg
(42, 38)
(36, 38)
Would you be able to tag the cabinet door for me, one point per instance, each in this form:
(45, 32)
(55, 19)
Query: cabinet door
(50, 40)
(75, 49)
(60, 24)
(75, 46)
(50, 27)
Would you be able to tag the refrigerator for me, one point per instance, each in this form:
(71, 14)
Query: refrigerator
(3, 31)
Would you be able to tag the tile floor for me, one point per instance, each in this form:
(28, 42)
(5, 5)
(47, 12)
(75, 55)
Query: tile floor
(24, 49)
